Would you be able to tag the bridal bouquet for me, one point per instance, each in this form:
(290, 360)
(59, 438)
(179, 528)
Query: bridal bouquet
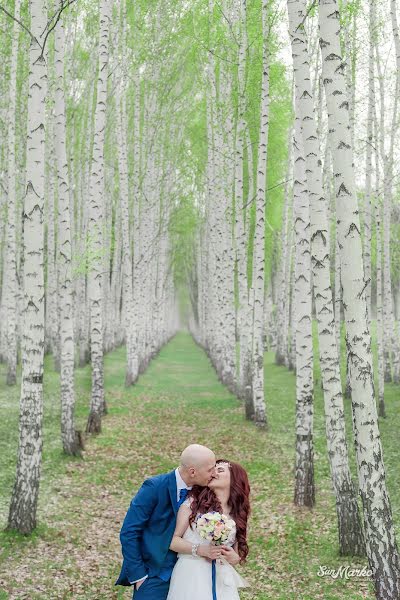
(214, 527)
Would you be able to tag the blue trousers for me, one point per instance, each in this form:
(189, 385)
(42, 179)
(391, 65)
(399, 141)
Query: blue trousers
(153, 588)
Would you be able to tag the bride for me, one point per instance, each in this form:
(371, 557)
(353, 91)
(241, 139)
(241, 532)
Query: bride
(227, 493)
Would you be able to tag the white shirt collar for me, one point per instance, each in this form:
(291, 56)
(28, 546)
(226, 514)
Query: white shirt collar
(180, 484)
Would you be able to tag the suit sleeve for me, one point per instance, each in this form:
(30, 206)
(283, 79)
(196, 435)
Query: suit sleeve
(134, 523)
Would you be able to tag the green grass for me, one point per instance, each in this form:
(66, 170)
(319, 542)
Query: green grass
(75, 551)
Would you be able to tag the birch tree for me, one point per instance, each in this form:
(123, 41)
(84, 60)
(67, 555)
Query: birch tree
(390, 341)
(131, 367)
(71, 439)
(283, 299)
(95, 229)
(10, 275)
(304, 494)
(368, 156)
(390, 164)
(137, 264)
(258, 281)
(379, 299)
(381, 544)
(240, 210)
(221, 343)
(23, 505)
(349, 524)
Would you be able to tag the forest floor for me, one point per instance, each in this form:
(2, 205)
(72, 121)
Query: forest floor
(75, 550)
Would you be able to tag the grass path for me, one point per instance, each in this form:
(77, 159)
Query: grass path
(75, 551)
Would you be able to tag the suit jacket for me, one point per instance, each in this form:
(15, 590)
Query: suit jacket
(148, 528)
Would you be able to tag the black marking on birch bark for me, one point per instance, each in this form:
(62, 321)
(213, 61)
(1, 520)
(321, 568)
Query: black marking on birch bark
(340, 69)
(321, 233)
(333, 56)
(305, 318)
(366, 283)
(29, 187)
(353, 227)
(323, 43)
(319, 295)
(343, 190)
(34, 378)
(335, 15)
(40, 126)
(326, 332)
(306, 437)
(318, 264)
(301, 276)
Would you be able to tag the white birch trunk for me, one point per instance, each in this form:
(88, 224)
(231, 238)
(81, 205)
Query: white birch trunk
(228, 290)
(240, 210)
(127, 271)
(258, 402)
(393, 139)
(292, 306)
(83, 301)
(10, 263)
(247, 312)
(379, 299)
(368, 157)
(349, 57)
(135, 324)
(380, 536)
(51, 322)
(304, 493)
(95, 229)
(131, 365)
(349, 524)
(388, 319)
(71, 439)
(282, 321)
(338, 297)
(23, 506)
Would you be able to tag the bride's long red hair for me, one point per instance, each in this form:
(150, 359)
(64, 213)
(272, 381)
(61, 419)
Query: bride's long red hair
(205, 499)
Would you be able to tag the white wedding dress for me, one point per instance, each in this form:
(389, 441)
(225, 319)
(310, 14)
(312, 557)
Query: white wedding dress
(191, 578)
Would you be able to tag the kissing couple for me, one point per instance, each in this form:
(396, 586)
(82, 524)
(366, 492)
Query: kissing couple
(172, 533)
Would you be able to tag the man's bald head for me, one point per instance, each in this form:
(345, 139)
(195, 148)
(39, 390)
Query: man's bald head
(196, 455)
(197, 465)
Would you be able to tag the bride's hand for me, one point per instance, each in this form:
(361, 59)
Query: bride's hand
(230, 555)
(210, 551)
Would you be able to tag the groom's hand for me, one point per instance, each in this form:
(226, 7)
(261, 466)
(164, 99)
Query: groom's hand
(139, 583)
(230, 555)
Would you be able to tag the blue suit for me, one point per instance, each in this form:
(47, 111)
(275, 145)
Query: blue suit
(147, 532)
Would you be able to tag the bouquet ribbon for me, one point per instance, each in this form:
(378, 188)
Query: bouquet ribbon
(213, 576)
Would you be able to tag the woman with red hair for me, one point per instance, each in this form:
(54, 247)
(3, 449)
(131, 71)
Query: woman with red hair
(192, 578)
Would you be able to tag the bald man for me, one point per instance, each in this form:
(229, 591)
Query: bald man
(149, 524)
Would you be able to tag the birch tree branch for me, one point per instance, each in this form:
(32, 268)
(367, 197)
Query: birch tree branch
(19, 23)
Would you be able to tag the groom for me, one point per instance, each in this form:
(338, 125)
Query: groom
(149, 524)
